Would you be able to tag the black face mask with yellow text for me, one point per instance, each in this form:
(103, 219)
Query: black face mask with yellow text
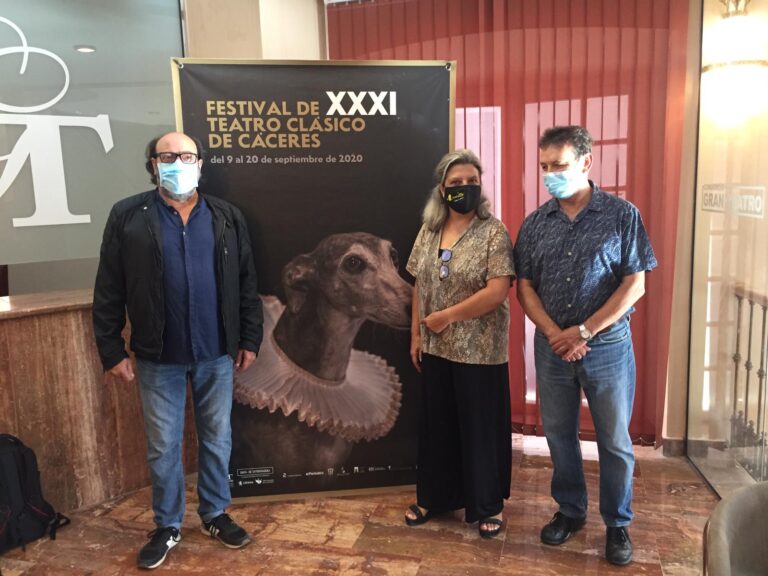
(462, 199)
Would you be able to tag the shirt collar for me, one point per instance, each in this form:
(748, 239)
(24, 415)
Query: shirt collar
(551, 206)
(598, 198)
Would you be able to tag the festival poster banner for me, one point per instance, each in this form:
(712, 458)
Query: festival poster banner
(331, 163)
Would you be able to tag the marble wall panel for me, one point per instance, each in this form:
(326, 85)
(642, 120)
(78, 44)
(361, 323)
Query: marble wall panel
(85, 427)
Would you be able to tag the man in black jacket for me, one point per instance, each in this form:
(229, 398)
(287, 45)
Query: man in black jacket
(180, 263)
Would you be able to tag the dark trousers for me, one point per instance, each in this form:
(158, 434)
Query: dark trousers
(465, 438)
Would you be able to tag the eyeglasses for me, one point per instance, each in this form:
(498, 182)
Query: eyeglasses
(170, 157)
(445, 257)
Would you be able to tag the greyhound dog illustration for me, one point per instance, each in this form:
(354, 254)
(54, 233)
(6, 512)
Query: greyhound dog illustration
(310, 396)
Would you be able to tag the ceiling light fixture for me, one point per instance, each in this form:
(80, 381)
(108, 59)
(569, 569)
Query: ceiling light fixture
(734, 70)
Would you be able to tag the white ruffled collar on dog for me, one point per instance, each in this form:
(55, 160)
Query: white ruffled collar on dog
(364, 406)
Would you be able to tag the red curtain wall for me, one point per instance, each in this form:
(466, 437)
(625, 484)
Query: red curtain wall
(616, 67)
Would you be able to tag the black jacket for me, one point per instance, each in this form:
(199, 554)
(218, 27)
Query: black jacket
(130, 277)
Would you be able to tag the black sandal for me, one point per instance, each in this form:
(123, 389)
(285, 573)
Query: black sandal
(493, 532)
(420, 517)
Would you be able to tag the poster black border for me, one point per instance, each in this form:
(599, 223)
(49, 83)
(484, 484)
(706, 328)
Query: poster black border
(178, 63)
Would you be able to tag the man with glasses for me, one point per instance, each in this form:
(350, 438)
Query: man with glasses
(180, 263)
(581, 260)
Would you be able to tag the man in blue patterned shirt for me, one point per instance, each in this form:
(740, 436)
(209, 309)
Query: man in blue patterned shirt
(581, 260)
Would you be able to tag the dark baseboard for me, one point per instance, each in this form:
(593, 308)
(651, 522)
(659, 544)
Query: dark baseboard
(673, 447)
(681, 447)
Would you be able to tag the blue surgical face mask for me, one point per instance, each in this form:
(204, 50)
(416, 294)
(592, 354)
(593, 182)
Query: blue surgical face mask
(561, 185)
(178, 179)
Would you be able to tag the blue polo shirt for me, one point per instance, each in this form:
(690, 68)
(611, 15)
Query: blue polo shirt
(193, 330)
(575, 266)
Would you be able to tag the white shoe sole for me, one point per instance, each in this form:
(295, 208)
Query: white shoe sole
(171, 545)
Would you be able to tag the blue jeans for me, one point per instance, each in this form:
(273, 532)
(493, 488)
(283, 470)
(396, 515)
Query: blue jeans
(607, 376)
(163, 389)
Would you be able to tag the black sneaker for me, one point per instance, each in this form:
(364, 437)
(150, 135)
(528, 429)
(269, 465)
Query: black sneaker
(161, 540)
(560, 528)
(224, 529)
(618, 546)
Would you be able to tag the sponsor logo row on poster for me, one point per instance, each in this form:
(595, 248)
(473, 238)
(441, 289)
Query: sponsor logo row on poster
(265, 474)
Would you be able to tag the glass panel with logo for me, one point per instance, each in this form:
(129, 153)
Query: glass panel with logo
(85, 85)
(729, 340)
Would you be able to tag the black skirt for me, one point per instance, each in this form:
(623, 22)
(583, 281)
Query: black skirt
(465, 438)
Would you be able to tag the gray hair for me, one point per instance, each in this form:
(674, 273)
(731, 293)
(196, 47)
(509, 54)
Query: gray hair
(436, 210)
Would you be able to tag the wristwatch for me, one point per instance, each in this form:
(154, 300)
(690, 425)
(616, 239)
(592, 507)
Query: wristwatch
(585, 333)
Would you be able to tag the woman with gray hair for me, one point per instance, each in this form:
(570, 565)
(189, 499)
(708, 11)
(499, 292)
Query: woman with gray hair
(462, 262)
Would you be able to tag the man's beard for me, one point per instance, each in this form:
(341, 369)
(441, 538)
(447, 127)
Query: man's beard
(181, 198)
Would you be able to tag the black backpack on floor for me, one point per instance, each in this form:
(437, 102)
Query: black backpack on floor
(24, 514)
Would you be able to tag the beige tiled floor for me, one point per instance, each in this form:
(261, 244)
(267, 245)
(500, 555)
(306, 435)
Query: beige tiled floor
(365, 534)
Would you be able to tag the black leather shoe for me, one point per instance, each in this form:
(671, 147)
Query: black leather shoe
(560, 529)
(618, 546)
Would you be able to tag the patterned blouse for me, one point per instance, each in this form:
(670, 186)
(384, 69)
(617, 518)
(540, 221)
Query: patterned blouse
(482, 252)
